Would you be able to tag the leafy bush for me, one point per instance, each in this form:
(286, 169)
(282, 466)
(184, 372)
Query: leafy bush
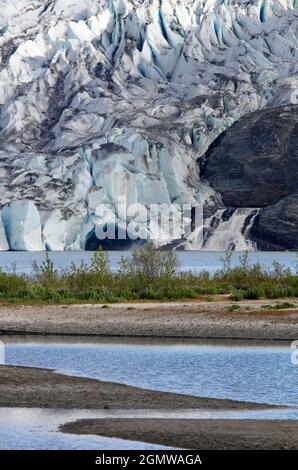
(238, 295)
(45, 273)
(100, 265)
(11, 283)
(148, 262)
(77, 278)
(254, 293)
(282, 306)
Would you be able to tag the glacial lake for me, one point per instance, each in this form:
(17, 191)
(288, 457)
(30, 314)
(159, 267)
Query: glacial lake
(189, 260)
(247, 371)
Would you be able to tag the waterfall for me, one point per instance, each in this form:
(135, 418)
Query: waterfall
(226, 229)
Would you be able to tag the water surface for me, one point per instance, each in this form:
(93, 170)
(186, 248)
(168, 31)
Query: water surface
(189, 260)
(245, 371)
(36, 429)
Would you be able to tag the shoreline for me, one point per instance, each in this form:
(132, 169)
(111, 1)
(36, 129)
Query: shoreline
(220, 319)
(199, 434)
(28, 387)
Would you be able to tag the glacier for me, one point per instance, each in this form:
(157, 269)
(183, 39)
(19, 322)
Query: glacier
(22, 225)
(105, 99)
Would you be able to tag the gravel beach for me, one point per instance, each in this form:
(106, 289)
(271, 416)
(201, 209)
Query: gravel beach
(216, 319)
(200, 434)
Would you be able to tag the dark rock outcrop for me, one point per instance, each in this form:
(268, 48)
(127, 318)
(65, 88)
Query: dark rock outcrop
(255, 162)
(276, 228)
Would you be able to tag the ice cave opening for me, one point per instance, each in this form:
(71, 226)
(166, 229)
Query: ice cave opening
(121, 241)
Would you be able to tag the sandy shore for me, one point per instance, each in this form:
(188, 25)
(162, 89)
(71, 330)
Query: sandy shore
(30, 387)
(251, 320)
(195, 434)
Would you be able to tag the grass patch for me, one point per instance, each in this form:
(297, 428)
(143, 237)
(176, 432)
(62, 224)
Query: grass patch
(280, 306)
(233, 308)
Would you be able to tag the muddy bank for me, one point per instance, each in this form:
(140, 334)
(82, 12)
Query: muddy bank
(30, 387)
(249, 320)
(195, 434)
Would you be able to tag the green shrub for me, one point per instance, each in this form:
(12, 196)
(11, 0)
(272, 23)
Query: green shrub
(100, 265)
(45, 273)
(233, 308)
(282, 306)
(279, 292)
(11, 283)
(254, 293)
(150, 263)
(238, 295)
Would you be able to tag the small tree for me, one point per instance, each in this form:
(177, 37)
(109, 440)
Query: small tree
(227, 263)
(151, 263)
(78, 276)
(45, 273)
(100, 265)
(100, 262)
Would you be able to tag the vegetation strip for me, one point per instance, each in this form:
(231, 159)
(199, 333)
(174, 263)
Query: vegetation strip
(148, 274)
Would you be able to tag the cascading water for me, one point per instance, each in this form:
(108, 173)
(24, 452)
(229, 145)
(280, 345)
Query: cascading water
(227, 229)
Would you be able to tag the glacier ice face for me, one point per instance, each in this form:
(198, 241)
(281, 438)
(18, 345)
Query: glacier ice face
(54, 230)
(101, 99)
(4, 246)
(22, 226)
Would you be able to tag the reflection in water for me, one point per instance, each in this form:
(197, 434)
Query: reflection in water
(36, 429)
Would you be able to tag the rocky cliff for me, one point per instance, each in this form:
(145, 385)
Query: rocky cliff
(276, 227)
(255, 163)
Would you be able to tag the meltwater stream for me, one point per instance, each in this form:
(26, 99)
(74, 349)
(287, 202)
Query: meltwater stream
(259, 372)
